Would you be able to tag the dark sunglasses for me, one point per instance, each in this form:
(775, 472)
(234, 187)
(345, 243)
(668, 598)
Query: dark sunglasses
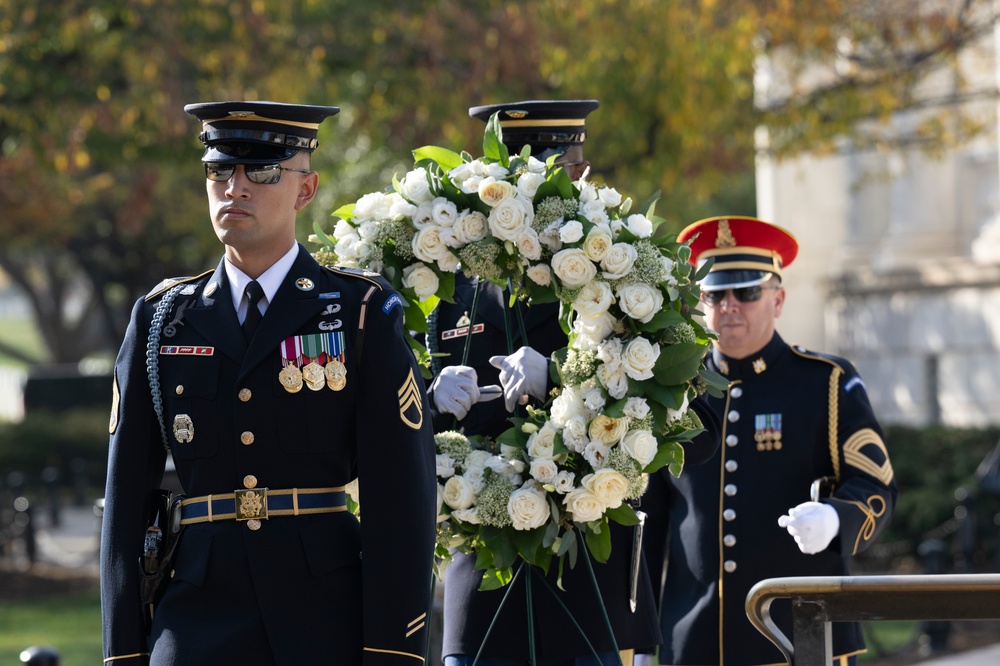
(741, 294)
(262, 174)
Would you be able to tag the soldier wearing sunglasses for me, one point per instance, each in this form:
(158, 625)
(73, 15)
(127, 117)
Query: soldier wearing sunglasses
(802, 482)
(273, 382)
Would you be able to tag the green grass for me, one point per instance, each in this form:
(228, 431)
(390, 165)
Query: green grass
(70, 623)
(20, 333)
(885, 637)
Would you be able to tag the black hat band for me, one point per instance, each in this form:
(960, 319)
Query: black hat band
(230, 135)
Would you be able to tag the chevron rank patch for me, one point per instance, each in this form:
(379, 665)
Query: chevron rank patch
(411, 406)
(865, 450)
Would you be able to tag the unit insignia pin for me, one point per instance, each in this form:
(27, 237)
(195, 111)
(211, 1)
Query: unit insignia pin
(305, 284)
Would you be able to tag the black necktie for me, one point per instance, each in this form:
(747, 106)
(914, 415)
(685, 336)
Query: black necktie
(253, 292)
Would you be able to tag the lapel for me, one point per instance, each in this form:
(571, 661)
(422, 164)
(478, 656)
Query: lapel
(215, 319)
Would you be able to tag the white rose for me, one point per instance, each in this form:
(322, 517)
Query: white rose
(573, 267)
(640, 301)
(571, 232)
(493, 191)
(641, 445)
(588, 193)
(567, 405)
(528, 183)
(470, 516)
(465, 178)
(415, 187)
(367, 230)
(595, 212)
(361, 249)
(591, 332)
(458, 493)
(373, 206)
(535, 165)
(593, 398)
(449, 263)
(510, 218)
(607, 430)
(541, 444)
(476, 458)
(528, 246)
(427, 244)
(583, 505)
(618, 261)
(639, 357)
(528, 508)
(609, 486)
(614, 379)
(421, 279)
(564, 482)
(343, 228)
(544, 470)
(609, 196)
(445, 465)
(470, 226)
(540, 274)
(444, 212)
(495, 170)
(594, 299)
(400, 207)
(345, 246)
(597, 243)
(639, 226)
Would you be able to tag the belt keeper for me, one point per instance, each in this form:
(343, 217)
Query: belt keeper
(209, 508)
(295, 501)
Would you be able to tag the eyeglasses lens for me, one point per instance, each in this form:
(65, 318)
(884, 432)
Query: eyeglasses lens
(741, 294)
(267, 174)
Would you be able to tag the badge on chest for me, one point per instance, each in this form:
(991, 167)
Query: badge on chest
(315, 361)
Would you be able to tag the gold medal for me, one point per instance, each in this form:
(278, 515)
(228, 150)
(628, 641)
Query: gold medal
(336, 375)
(313, 376)
(291, 378)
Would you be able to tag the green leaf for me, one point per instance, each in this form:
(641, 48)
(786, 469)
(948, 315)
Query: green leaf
(678, 363)
(494, 579)
(446, 159)
(599, 542)
(529, 544)
(503, 550)
(661, 320)
(493, 146)
(668, 396)
(672, 454)
(345, 212)
(326, 240)
(717, 384)
(624, 515)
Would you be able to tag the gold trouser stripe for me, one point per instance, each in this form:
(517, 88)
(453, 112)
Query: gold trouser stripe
(627, 657)
(401, 654)
(137, 655)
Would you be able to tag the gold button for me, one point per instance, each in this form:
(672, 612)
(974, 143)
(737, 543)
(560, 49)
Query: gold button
(247, 438)
(253, 524)
(245, 395)
(179, 389)
(249, 481)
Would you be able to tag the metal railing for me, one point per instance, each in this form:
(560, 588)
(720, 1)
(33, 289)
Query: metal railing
(818, 601)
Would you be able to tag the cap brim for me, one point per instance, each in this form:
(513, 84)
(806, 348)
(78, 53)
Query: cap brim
(246, 153)
(720, 280)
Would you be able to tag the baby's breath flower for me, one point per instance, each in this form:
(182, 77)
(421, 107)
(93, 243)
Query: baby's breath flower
(579, 366)
(645, 423)
(550, 209)
(492, 501)
(401, 233)
(680, 333)
(481, 258)
(453, 444)
(647, 268)
(620, 461)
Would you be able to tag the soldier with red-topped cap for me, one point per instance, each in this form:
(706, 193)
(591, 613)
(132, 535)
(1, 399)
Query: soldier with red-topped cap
(802, 482)
(273, 382)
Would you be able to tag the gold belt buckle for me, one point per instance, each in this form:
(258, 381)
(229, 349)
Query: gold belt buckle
(251, 504)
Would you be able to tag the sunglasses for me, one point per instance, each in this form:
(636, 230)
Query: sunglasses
(264, 174)
(741, 294)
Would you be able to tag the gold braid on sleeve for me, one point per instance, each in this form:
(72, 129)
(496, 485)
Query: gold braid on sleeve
(834, 412)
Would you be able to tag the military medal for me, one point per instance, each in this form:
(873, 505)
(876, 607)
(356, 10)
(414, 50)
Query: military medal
(312, 372)
(290, 376)
(335, 370)
(336, 375)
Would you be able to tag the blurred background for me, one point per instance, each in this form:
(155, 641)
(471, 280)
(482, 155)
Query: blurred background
(868, 129)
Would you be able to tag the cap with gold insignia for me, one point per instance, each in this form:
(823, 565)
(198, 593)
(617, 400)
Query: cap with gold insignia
(747, 251)
(257, 132)
(543, 124)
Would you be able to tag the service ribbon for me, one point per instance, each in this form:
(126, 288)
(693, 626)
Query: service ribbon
(291, 350)
(312, 346)
(333, 345)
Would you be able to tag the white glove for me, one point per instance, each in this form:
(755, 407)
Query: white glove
(642, 659)
(813, 524)
(525, 372)
(456, 389)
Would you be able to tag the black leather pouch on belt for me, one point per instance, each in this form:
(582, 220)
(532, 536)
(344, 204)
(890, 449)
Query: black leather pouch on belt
(162, 534)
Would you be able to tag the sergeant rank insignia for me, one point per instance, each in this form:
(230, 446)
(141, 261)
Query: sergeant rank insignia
(315, 361)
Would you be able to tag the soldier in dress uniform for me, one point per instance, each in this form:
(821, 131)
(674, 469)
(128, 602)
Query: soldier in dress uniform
(460, 400)
(802, 483)
(274, 382)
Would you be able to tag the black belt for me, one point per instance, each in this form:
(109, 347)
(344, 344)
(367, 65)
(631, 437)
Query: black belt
(261, 503)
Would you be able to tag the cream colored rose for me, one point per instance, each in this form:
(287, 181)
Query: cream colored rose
(564, 482)
(597, 243)
(583, 505)
(510, 218)
(641, 445)
(421, 279)
(640, 301)
(528, 246)
(607, 429)
(573, 267)
(609, 196)
(458, 493)
(470, 226)
(618, 261)
(528, 508)
(415, 187)
(449, 263)
(427, 244)
(493, 191)
(639, 225)
(609, 486)
(528, 183)
(639, 357)
(544, 470)
(571, 231)
(540, 274)
(594, 299)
